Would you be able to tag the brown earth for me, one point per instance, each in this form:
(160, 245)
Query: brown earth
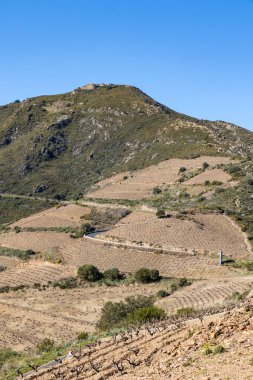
(218, 348)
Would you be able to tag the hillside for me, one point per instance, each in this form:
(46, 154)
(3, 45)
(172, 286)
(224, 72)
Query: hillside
(105, 176)
(60, 145)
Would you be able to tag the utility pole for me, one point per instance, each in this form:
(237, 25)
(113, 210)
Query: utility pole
(220, 258)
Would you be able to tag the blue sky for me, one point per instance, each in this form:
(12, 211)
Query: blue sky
(195, 56)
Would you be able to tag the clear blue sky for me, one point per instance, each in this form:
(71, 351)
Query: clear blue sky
(195, 56)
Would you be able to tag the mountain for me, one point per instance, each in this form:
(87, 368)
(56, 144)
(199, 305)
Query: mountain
(60, 145)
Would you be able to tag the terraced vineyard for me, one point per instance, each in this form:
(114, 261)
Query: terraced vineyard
(37, 241)
(165, 350)
(202, 233)
(128, 260)
(33, 272)
(204, 294)
(64, 216)
(139, 184)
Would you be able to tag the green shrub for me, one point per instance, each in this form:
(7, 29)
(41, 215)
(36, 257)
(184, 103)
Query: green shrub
(182, 169)
(186, 312)
(115, 314)
(207, 351)
(216, 183)
(82, 336)
(66, 283)
(162, 293)
(173, 287)
(183, 282)
(2, 268)
(145, 276)
(234, 169)
(218, 349)
(207, 183)
(89, 273)
(113, 274)
(17, 229)
(46, 345)
(5, 354)
(146, 314)
(157, 190)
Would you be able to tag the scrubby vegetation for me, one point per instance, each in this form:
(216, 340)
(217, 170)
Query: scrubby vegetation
(46, 345)
(14, 208)
(11, 252)
(89, 273)
(134, 310)
(146, 276)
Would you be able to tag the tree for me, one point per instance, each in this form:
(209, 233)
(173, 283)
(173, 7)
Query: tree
(146, 276)
(113, 274)
(89, 273)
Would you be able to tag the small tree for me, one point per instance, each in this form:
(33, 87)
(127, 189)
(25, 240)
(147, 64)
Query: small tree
(89, 273)
(146, 276)
(113, 274)
(146, 314)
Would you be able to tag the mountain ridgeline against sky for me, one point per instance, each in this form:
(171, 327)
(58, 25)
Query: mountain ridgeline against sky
(60, 145)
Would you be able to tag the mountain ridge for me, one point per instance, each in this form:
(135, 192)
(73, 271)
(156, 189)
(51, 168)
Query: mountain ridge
(60, 145)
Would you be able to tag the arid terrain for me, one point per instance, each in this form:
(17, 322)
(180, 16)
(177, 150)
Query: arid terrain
(139, 184)
(136, 188)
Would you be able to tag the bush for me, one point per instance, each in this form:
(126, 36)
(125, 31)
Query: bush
(17, 229)
(216, 183)
(207, 183)
(183, 282)
(5, 354)
(82, 336)
(157, 190)
(146, 276)
(66, 283)
(250, 181)
(30, 252)
(182, 169)
(113, 274)
(46, 345)
(160, 214)
(205, 165)
(89, 273)
(114, 314)
(146, 314)
(218, 349)
(186, 312)
(162, 293)
(2, 268)
(234, 169)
